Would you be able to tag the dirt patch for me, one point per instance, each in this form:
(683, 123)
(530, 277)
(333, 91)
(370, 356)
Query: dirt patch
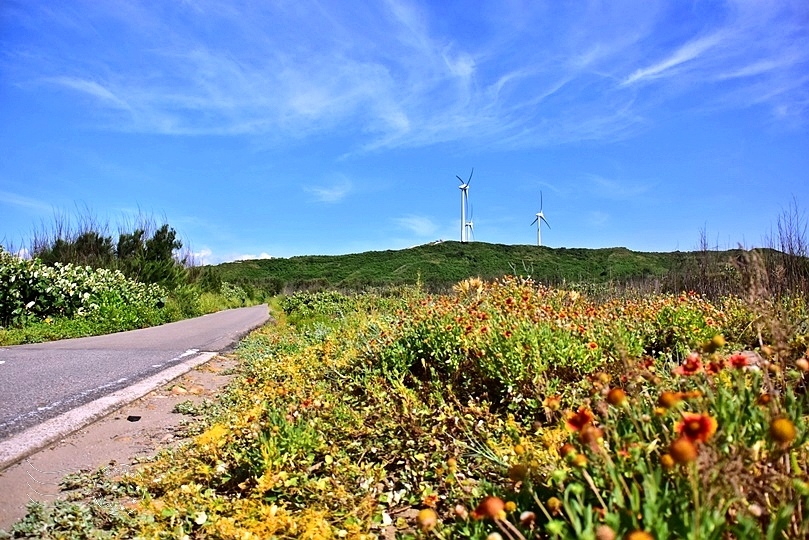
(117, 441)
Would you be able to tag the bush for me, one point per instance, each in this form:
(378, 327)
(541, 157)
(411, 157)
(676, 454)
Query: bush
(29, 290)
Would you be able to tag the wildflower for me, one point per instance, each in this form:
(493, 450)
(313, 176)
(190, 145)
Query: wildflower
(683, 450)
(519, 449)
(669, 399)
(510, 507)
(494, 536)
(566, 450)
(580, 419)
(715, 366)
(717, 342)
(592, 345)
(490, 507)
(579, 460)
(764, 399)
(605, 532)
(782, 430)
(691, 366)
(553, 402)
(427, 519)
(590, 434)
(667, 461)
(738, 361)
(616, 397)
(554, 505)
(527, 518)
(461, 512)
(639, 535)
(802, 364)
(697, 427)
(517, 472)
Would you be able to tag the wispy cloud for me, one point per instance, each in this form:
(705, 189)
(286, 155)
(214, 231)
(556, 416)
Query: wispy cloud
(690, 51)
(391, 74)
(90, 88)
(13, 199)
(618, 189)
(332, 193)
(418, 225)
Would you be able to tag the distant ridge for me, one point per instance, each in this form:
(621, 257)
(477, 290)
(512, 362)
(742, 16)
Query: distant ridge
(440, 264)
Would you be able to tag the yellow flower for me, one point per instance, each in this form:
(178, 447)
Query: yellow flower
(782, 430)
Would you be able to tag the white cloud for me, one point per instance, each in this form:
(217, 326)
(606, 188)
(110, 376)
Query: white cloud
(202, 256)
(333, 193)
(418, 225)
(250, 256)
(690, 51)
(91, 88)
(13, 199)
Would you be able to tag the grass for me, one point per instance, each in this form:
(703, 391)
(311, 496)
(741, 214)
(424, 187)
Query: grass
(503, 407)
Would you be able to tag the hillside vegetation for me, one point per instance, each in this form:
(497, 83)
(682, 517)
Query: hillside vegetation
(438, 266)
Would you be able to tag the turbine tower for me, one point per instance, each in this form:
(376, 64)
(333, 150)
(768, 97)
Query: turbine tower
(470, 225)
(538, 220)
(464, 187)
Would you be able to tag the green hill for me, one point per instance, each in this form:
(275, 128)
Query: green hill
(440, 265)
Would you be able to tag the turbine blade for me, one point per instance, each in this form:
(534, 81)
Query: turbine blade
(459, 179)
(535, 220)
(540, 201)
(546, 222)
(470, 176)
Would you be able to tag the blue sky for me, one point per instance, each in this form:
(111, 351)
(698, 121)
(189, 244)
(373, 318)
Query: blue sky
(299, 127)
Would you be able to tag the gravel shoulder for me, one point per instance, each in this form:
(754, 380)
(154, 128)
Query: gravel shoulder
(118, 441)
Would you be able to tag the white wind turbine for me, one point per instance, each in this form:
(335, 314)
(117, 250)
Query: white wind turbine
(470, 225)
(464, 187)
(538, 220)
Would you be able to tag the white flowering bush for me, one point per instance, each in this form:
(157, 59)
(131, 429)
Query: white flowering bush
(30, 290)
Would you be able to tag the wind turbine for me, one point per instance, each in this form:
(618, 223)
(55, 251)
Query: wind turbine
(464, 187)
(538, 220)
(470, 225)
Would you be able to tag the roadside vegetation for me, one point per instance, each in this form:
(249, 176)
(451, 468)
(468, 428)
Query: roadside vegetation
(82, 283)
(503, 409)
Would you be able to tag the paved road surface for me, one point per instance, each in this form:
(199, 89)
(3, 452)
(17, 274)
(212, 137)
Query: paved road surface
(42, 381)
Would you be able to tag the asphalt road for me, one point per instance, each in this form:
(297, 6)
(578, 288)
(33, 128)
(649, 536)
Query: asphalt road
(41, 381)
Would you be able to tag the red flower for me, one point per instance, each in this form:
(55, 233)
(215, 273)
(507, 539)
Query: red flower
(580, 419)
(738, 361)
(691, 365)
(714, 367)
(696, 427)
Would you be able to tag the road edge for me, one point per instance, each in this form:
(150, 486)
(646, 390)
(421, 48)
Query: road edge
(36, 438)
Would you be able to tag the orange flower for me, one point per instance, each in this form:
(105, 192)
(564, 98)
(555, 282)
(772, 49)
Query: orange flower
(616, 397)
(566, 450)
(580, 419)
(691, 365)
(592, 345)
(669, 399)
(697, 427)
(490, 507)
(683, 450)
